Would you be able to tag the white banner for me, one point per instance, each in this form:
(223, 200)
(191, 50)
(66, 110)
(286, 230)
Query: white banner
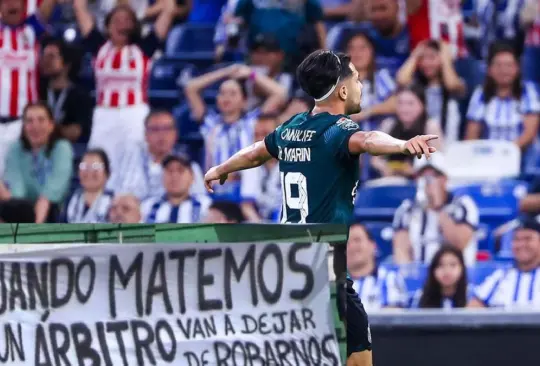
(164, 304)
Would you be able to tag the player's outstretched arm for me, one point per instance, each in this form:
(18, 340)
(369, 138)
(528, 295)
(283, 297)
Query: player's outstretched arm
(247, 158)
(380, 143)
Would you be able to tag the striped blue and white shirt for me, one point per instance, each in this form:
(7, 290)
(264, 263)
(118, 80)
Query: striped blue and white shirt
(141, 176)
(78, 212)
(384, 288)
(376, 92)
(511, 288)
(157, 210)
(269, 198)
(223, 140)
(502, 118)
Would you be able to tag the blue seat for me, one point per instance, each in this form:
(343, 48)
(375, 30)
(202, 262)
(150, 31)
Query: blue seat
(380, 203)
(482, 270)
(497, 202)
(485, 238)
(382, 233)
(415, 275)
(166, 82)
(190, 38)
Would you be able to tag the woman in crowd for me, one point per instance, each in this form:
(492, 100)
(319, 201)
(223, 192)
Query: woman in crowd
(121, 64)
(378, 98)
(411, 120)
(39, 166)
(229, 128)
(91, 203)
(431, 66)
(446, 286)
(505, 107)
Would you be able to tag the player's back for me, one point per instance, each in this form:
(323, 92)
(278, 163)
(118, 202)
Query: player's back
(318, 175)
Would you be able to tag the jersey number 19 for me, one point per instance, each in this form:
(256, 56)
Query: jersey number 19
(290, 181)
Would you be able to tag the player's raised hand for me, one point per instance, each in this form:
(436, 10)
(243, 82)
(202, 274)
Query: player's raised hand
(211, 176)
(419, 146)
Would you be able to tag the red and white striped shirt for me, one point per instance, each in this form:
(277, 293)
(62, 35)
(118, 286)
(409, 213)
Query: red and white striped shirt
(19, 54)
(439, 20)
(532, 38)
(121, 75)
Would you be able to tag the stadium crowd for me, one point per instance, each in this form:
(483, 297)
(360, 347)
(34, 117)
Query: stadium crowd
(110, 111)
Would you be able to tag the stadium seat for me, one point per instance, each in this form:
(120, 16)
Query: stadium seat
(484, 237)
(192, 43)
(379, 203)
(497, 202)
(166, 82)
(472, 161)
(382, 233)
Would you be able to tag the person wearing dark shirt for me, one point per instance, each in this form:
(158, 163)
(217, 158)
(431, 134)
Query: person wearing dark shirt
(72, 106)
(122, 58)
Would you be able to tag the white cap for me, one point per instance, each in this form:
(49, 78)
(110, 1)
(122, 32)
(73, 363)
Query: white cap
(436, 161)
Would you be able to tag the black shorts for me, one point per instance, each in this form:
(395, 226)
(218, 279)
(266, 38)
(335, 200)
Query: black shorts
(358, 331)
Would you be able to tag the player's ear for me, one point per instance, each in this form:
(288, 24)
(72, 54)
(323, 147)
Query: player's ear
(342, 92)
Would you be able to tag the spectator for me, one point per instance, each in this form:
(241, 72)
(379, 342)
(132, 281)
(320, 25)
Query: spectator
(504, 108)
(411, 120)
(433, 218)
(19, 66)
(377, 286)
(269, 198)
(141, 171)
(431, 66)
(337, 10)
(266, 57)
(530, 21)
(125, 209)
(389, 35)
(176, 205)
(446, 286)
(530, 204)
(515, 287)
(290, 21)
(378, 85)
(121, 64)
(91, 203)
(39, 165)
(155, 8)
(72, 106)
(224, 212)
(230, 128)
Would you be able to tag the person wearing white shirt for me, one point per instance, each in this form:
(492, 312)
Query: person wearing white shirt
(177, 205)
(518, 286)
(378, 287)
(434, 217)
(141, 170)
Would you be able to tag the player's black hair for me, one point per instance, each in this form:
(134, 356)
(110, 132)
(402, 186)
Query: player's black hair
(55, 135)
(157, 112)
(230, 210)
(490, 87)
(423, 80)
(135, 34)
(320, 71)
(432, 292)
(103, 157)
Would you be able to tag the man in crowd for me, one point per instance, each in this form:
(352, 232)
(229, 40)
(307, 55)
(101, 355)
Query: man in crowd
(224, 212)
(177, 205)
(434, 217)
(125, 209)
(376, 286)
(18, 65)
(515, 287)
(142, 171)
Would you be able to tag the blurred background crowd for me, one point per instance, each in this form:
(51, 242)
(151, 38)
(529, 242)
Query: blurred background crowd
(110, 111)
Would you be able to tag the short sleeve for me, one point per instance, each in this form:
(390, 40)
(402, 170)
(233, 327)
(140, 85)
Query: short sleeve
(465, 211)
(475, 111)
(37, 25)
(488, 289)
(93, 41)
(314, 11)
(385, 85)
(270, 142)
(150, 44)
(530, 101)
(402, 217)
(339, 134)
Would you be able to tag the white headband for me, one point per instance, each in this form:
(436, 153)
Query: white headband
(329, 93)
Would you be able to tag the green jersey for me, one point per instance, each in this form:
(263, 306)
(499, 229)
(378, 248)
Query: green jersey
(319, 176)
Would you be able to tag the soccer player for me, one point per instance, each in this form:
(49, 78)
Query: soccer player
(318, 155)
